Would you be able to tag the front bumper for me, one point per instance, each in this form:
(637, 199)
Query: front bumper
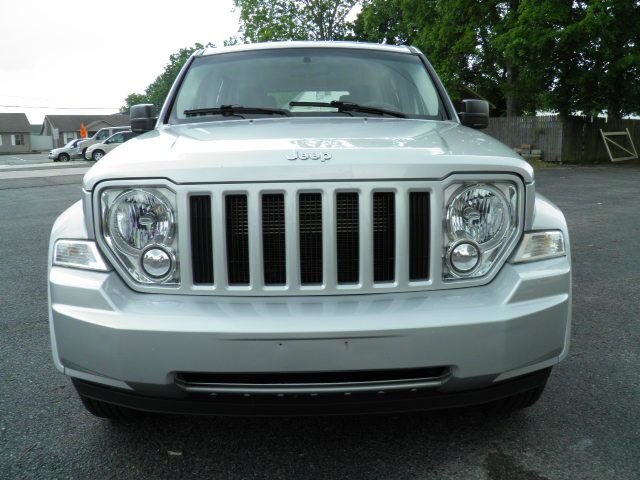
(106, 334)
(387, 402)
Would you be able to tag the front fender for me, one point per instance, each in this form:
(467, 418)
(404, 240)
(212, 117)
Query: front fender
(547, 216)
(71, 225)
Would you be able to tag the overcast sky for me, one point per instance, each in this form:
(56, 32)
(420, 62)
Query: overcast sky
(70, 53)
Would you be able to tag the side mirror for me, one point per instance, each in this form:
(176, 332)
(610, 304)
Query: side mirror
(142, 118)
(475, 114)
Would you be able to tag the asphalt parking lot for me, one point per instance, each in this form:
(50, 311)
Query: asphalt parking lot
(24, 159)
(20, 161)
(586, 426)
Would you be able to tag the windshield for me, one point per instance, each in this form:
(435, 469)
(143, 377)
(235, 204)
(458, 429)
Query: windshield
(70, 144)
(274, 78)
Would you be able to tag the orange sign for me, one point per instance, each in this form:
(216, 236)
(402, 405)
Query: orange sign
(83, 130)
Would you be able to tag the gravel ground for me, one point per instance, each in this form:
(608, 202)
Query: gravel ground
(586, 426)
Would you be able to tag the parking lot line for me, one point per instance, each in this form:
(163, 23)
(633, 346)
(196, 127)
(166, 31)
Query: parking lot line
(42, 165)
(48, 172)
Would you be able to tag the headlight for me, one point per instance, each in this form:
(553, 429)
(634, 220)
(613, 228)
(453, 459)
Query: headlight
(480, 221)
(140, 228)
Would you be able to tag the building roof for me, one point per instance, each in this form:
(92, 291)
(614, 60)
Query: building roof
(115, 120)
(71, 123)
(306, 44)
(36, 128)
(14, 123)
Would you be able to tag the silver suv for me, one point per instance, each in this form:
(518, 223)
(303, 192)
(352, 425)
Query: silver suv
(329, 236)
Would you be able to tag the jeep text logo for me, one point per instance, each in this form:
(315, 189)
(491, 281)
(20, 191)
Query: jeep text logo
(322, 156)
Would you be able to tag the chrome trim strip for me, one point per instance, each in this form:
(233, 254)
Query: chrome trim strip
(312, 388)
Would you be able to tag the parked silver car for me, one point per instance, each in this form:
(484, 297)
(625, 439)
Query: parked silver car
(328, 235)
(66, 153)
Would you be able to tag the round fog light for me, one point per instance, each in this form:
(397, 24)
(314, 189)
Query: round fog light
(464, 257)
(156, 262)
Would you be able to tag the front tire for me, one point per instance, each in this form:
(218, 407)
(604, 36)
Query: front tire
(63, 157)
(97, 155)
(109, 411)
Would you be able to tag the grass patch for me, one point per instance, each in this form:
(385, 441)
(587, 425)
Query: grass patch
(536, 164)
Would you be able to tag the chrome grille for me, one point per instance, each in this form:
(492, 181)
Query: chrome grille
(330, 239)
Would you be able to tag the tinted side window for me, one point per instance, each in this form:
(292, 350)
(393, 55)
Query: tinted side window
(116, 138)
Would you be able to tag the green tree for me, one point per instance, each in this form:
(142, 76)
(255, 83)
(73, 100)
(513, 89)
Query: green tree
(469, 42)
(133, 99)
(611, 79)
(266, 20)
(522, 55)
(158, 90)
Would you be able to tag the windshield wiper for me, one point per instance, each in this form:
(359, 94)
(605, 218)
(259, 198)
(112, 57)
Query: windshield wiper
(235, 110)
(350, 106)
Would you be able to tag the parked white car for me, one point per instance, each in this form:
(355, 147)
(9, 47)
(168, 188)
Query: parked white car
(97, 151)
(307, 228)
(98, 137)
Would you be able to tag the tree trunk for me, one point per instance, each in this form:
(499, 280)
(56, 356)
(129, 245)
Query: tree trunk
(513, 109)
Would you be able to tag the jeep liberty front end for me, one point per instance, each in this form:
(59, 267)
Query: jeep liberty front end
(309, 227)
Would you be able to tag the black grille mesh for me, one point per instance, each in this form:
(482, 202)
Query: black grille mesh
(310, 237)
(347, 237)
(384, 236)
(201, 243)
(237, 239)
(273, 239)
(419, 236)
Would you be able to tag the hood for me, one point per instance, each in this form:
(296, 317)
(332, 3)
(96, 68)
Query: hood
(261, 150)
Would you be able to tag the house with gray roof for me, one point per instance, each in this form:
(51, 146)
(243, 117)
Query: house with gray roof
(64, 128)
(14, 133)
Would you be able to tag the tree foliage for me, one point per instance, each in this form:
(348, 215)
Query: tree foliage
(158, 90)
(522, 55)
(266, 20)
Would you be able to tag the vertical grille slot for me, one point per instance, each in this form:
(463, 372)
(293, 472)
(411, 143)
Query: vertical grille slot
(347, 237)
(384, 236)
(201, 243)
(310, 237)
(237, 239)
(419, 236)
(273, 239)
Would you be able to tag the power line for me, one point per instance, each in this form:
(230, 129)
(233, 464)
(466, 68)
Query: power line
(23, 96)
(61, 108)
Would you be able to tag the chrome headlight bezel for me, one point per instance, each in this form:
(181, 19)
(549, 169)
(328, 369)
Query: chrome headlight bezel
(128, 256)
(495, 249)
